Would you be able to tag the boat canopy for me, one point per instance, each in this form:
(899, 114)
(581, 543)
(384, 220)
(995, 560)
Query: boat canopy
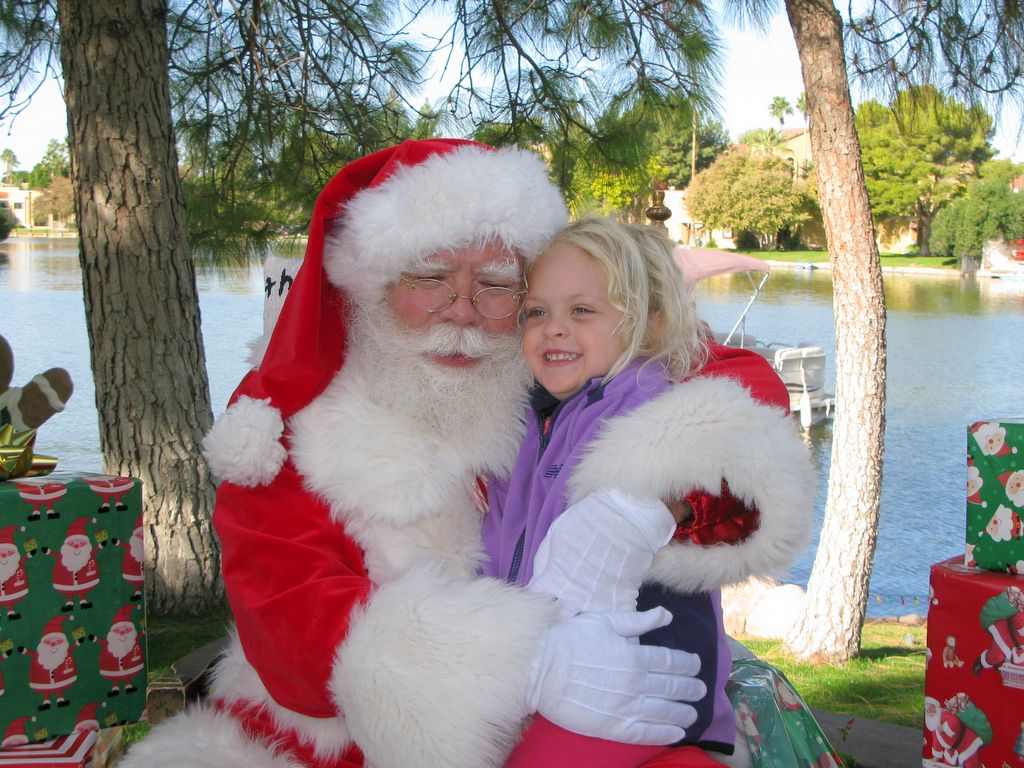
(699, 263)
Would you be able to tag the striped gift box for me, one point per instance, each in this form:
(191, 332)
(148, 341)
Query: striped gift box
(73, 750)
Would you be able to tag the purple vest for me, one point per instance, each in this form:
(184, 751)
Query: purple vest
(523, 506)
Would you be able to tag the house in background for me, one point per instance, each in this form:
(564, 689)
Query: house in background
(896, 235)
(18, 200)
(795, 150)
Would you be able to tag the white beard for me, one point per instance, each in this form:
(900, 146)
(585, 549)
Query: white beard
(135, 548)
(468, 404)
(396, 440)
(75, 558)
(120, 645)
(50, 658)
(9, 566)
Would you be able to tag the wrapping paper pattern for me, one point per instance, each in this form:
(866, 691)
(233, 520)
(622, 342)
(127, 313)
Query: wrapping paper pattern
(72, 620)
(974, 677)
(995, 495)
(779, 729)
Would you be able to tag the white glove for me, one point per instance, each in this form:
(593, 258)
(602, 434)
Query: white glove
(591, 676)
(596, 553)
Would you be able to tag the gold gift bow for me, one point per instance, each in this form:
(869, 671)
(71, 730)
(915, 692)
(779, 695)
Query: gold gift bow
(17, 457)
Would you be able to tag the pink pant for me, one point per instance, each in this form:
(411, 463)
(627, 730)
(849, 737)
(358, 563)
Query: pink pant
(545, 745)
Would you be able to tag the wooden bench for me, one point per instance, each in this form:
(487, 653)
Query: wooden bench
(187, 681)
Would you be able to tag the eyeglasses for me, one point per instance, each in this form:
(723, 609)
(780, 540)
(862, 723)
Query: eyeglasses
(495, 303)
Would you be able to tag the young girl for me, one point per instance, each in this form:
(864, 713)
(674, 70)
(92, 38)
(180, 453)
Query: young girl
(608, 332)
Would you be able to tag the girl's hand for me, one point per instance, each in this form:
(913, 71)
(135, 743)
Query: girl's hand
(681, 510)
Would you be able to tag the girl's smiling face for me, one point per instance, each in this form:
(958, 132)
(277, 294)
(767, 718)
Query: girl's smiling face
(571, 330)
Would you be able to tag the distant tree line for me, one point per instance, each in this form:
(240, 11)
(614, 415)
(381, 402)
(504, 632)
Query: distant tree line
(927, 162)
(51, 176)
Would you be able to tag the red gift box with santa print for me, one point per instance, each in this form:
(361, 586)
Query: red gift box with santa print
(72, 619)
(995, 495)
(974, 675)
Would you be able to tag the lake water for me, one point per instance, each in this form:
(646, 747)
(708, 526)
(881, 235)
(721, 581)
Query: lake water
(955, 355)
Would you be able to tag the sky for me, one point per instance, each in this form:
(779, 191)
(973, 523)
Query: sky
(758, 67)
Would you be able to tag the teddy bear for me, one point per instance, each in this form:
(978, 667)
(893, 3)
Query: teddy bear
(29, 406)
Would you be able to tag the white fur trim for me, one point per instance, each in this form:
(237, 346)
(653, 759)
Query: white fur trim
(434, 671)
(201, 737)
(235, 679)
(692, 437)
(466, 196)
(244, 446)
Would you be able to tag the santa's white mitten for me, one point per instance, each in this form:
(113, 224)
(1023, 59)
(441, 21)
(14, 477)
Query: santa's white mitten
(596, 554)
(591, 676)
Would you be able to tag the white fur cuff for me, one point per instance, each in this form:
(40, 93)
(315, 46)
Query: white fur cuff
(433, 672)
(244, 447)
(691, 438)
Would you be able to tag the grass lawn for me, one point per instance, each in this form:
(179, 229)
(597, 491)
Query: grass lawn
(171, 637)
(886, 682)
(887, 259)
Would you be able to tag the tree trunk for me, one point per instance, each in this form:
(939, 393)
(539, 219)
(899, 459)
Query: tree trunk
(925, 216)
(829, 628)
(141, 304)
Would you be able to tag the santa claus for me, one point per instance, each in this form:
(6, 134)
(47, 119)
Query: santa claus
(13, 578)
(1002, 616)
(121, 658)
(1013, 482)
(75, 572)
(991, 438)
(959, 730)
(350, 539)
(974, 484)
(15, 735)
(53, 668)
(131, 565)
(1004, 525)
(87, 719)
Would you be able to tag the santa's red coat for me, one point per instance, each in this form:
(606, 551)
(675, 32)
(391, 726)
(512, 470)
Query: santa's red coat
(131, 569)
(14, 588)
(43, 680)
(75, 582)
(121, 668)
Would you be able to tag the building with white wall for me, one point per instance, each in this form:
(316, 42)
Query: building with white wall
(18, 200)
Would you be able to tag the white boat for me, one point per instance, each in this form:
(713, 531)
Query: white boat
(801, 366)
(1000, 261)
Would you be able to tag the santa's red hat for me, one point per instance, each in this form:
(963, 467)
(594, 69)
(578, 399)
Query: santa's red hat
(7, 533)
(15, 733)
(87, 719)
(55, 626)
(123, 616)
(379, 215)
(77, 528)
(1005, 477)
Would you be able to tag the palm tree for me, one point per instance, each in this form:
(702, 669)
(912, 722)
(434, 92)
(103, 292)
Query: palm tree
(801, 105)
(10, 161)
(779, 108)
(766, 139)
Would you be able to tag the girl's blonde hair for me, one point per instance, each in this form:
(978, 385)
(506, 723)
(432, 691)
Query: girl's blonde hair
(645, 283)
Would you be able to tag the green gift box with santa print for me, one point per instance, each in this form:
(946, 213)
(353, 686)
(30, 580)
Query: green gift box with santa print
(72, 619)
(995, 495)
